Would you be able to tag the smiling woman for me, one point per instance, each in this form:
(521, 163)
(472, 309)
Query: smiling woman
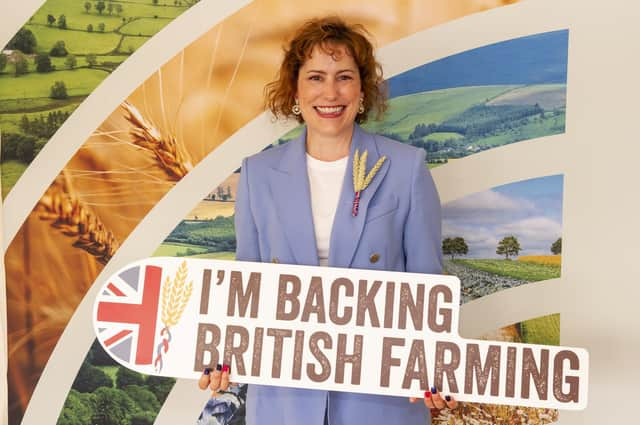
(335, 196)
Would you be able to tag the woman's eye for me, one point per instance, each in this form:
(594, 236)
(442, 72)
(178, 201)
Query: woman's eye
(345, 77)
(315, 78)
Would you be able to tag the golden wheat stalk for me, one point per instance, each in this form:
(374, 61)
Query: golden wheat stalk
(75, 219)
(166, 149)
(360, 178)
(175, 295)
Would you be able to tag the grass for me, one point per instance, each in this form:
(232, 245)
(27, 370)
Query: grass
(78, 82)
(530, 272)
(10, 123)
(535, 127)
(11, 172)
(144, 26)
(111, 371)
(405, 112)
(441, 137)
(222, 255)
(541, 330)
(78, 18)
(131, 43)
(173, 249)
(76, 42)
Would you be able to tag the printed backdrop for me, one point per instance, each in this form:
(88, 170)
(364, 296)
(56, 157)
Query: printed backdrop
(123, 124)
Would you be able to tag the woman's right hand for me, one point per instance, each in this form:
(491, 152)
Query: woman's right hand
(216, 380)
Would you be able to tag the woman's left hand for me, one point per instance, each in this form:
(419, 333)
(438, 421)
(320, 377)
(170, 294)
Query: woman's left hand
(436, 401)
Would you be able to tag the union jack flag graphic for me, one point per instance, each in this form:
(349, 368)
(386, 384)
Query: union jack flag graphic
(127, 314)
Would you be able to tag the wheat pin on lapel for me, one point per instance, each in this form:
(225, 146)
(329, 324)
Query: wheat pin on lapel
(361, 178)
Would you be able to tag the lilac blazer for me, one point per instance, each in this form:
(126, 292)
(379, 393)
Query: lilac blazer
(398, 228)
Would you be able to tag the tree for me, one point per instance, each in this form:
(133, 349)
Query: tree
(454, 246)
(100, 6)
(143, 418)
(62, 22)
(25, 151)
(3, 61)
(59, 49)
(126, 377)
(160, 386)
(90, 378)
(71, 62)
(101, 27)
(91, 60)
(20, 64)
(51, 20)
(119, 9)
(113, 407)
(144, 398)
(77, 409)
(110, 8)
(556, 247)
(155, 2)
(90, 28)
(87, 6)
(509, 245)
(43, 63)
(24, 40)
(58, 90)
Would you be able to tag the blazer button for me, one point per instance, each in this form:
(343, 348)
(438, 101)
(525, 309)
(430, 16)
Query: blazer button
(275, 260)
(374, 258)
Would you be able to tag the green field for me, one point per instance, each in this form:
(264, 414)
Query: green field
(111, 371)
(530, 272)
(441, 137)
(76, 42)
(144, 26)
(174, 249)
(542, 330)
(534, 128)
(11, 172)
(78, 81)
(222, 255)
(132, 43)
(406, 112)
(78, 18)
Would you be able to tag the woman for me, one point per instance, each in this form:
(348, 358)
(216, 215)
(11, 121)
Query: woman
(300, 204)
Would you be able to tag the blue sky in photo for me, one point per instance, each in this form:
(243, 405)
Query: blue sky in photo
(534, 59)
(529, 209)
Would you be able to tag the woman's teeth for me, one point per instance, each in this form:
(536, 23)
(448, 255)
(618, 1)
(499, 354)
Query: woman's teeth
(329, 109)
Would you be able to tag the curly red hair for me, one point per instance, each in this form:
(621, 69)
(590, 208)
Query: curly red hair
(328, 33)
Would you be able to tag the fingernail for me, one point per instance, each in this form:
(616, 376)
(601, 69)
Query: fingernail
(225, 368)
(218, 367)
(427, 394)
(447, 397)
(207, 371)
(434, 390)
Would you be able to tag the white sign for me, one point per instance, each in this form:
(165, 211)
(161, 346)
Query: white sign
(353, 330)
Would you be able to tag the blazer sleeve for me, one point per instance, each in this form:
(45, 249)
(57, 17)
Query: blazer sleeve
(423, 227)
(247, 242)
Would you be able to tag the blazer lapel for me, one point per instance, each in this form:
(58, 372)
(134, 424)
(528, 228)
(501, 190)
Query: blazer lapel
(347, 230)
(289, 183)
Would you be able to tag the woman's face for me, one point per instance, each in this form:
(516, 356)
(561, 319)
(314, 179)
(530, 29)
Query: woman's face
(329, 92)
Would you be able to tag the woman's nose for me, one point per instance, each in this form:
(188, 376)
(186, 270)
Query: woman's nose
(331, 90)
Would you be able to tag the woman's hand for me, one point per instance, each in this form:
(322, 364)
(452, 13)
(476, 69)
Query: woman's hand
(436, 402)
(217, 380)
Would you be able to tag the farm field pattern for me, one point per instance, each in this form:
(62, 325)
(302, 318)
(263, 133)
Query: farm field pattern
(116, 32)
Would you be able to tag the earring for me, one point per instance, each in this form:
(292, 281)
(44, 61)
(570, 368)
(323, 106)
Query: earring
(296, 108)
(361, 108)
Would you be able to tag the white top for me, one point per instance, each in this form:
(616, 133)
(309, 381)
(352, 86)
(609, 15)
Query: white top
(325, 185)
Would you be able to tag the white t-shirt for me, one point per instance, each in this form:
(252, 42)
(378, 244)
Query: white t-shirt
(325, 185)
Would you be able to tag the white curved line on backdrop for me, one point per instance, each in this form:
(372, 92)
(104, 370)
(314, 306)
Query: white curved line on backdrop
(14, 15)
(102, 101)
(60, 371)
(78, 335)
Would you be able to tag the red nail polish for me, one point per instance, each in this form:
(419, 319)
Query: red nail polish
(427, 394)
(225, 368)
